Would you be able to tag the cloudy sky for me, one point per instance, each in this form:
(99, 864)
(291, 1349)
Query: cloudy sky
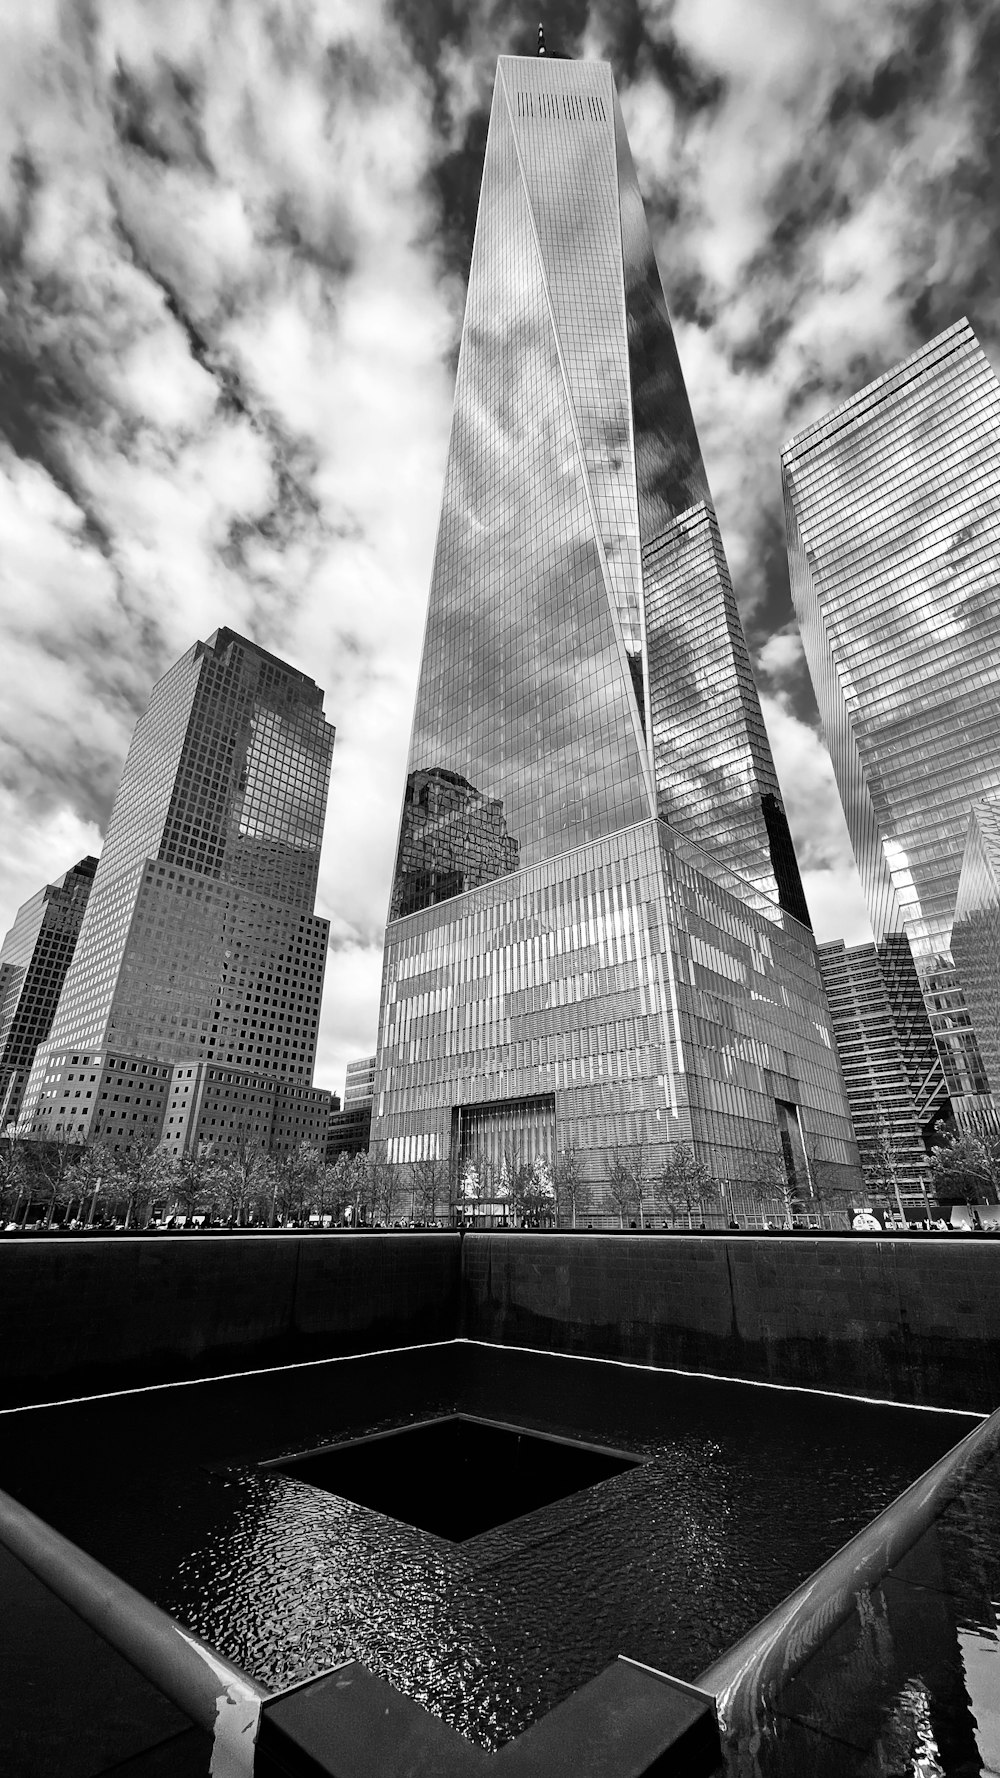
(235, 236)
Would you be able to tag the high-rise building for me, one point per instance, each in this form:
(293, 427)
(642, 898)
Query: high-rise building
(349, 1130)
(892, 504)
(975, 938)
(34, 958)
(359, 1081)
(892, 1072)
(198, 974)
(597, 931)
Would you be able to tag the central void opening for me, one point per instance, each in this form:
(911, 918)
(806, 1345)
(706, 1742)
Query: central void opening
(457, 1476)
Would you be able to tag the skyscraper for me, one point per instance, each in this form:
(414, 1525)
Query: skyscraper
(597, 930)
(34, 958)
(975, 938)
(895, 1087)
(199, 970)
(892, 504)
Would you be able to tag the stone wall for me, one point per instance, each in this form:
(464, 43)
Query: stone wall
(910, 1320)
(79, 1314)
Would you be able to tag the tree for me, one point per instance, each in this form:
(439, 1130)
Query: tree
(516, 1185)
(341, 1185)
(429, 1181)
(50, 1173)
(296, 1184)
(965, 1167)
(538, 1194)
(93, 1169)
(631, 1181)
(571, 1191)
(685, 1182)
(13, 1177)
(141, 1171)
(620, 1181)
(244, 1180)
(195, 1180)
(764, 1179)
(880, 1167)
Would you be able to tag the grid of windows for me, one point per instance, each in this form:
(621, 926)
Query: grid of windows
(975, 939)
(632, 980)
(895, 1087)
(584, 670)
(199, 941)
(34, 958)
(893, 511)
(573, 456)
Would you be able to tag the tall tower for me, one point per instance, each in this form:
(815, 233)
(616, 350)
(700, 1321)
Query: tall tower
(975, 937)
(586, 715)
(34, 958)
(887, 1052)
(200, 945)
(892, 504)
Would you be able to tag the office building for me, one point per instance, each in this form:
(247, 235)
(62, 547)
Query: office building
(597, 931)
(895, 1085)
(34, 958)
(892, 504)
(975, 939)
(349, 1130)
(196, 985)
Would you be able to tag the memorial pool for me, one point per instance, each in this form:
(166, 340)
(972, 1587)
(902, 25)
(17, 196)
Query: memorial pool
(743, 1492)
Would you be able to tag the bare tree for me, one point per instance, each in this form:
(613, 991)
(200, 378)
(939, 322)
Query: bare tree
(685, 1182)
(620, 1187)
(764, 1179)
(880, 1167)
(572, 1192)
(429, 1180)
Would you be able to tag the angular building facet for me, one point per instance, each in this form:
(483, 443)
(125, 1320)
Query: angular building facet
(892, 504)
(200, 946)
(597, 930)
(975, 936)
(34, 958)
(892, 1072)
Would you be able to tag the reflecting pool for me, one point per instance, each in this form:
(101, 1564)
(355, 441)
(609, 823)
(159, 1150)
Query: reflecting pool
(743, 1492)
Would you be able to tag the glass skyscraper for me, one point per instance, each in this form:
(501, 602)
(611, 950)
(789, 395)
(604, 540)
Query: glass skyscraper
(975, 938)
(200, 946)
(34, 958)
(597, 929)
(895, 1086)
(893, 515)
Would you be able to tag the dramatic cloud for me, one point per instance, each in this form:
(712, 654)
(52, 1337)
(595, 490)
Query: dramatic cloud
(234, 243)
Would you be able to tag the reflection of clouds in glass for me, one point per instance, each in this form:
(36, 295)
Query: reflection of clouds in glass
(522, 691)
(896, 498)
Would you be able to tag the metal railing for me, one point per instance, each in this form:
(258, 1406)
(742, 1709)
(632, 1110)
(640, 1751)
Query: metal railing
(216, 1696)
(749, 1675)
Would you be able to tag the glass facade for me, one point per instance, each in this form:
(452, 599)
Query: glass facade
(200, 943)
(895, 1085)
(633, 980)
(559, 970)
(34, 958)
(893, 515)
(584, 667)
(975, 939)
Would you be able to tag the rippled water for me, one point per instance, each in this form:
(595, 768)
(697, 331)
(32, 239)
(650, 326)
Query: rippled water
(747, 1491)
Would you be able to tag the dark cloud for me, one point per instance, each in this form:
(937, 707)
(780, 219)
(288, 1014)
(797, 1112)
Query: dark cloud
(159, 118)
